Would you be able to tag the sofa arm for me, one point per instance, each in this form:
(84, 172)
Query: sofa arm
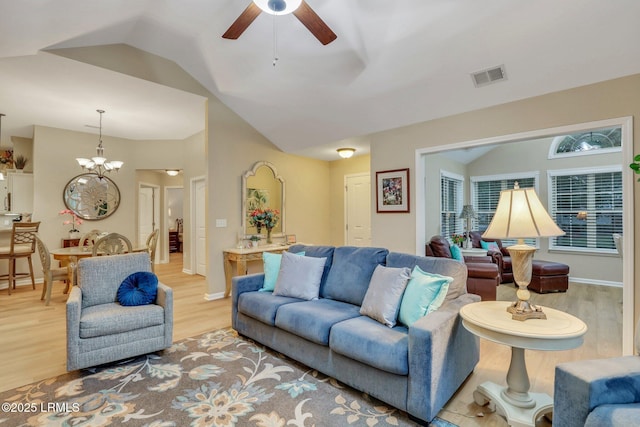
(165, 299)
(240, 285)
(583, 385)
(73, 309)
(442, 354)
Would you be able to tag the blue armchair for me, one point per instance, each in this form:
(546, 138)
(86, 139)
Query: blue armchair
(99, 329)
(598, 393)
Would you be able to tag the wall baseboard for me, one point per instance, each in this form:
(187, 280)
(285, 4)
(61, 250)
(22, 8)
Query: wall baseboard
(596, 282)
(212, 297)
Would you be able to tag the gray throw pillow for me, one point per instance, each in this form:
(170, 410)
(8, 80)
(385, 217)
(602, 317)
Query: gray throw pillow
(299, 276)
(382, 300)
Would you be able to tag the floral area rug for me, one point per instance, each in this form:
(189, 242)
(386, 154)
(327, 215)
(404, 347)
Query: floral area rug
(216, 379)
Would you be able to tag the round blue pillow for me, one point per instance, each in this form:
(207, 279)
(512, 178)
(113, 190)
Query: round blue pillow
(139, 288)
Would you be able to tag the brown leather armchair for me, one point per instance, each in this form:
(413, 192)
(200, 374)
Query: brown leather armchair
(500, 257)
(483, 275)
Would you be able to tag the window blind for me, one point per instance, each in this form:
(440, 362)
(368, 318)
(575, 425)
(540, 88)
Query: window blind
(451, 194)
(588, 207)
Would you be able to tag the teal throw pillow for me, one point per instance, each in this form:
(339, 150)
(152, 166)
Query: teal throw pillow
(456, 253)
(271, 264)
(425, 293)
(139, 288)
(490, 246)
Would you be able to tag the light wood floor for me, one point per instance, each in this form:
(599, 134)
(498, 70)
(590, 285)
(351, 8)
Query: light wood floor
(32, 336)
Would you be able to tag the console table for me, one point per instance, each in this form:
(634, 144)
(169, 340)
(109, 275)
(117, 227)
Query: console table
(241, 257)
(490, 320)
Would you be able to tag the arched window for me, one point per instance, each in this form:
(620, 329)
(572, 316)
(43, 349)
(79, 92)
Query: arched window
(586, 143)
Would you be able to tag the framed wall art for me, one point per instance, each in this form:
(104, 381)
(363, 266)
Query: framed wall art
(392, 191)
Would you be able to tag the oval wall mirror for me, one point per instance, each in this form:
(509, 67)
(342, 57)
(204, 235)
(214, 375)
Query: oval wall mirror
(91, 197)
(262, 188)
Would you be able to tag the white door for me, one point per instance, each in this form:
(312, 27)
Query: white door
(358, 210)
(200, 228)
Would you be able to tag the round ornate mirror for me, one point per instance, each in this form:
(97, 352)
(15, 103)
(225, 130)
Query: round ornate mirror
(91, 197)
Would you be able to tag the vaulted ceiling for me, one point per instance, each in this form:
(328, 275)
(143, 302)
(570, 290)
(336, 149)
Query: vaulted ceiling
(393, 63)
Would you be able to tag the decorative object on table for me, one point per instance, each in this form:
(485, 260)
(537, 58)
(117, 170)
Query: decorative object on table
(392, 191)
(636, 165)
(267, 218)
(291, 239)
(20, 162)
(468, 213)
(457, 239)
(254, 240)
(99, 164)
(91, 197)
(75, 220)
(520, 215)
(262, 188)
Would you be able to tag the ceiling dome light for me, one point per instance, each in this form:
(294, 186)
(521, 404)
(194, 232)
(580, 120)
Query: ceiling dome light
(278, 7)
(345, 153)
(172, 172)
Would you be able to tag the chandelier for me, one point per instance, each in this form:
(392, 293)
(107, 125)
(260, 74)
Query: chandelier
(99, 164)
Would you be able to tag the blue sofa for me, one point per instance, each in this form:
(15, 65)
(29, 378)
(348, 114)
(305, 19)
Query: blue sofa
(416, 369)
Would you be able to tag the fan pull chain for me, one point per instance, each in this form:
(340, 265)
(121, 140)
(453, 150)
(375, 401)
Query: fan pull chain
(275, 42)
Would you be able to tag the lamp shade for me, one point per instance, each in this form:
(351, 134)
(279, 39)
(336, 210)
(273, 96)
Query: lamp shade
(521, 215)
(468, 212)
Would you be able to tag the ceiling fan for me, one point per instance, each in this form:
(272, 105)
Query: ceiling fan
(299, 8)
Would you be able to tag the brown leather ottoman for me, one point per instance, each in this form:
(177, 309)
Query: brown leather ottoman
(548, 276)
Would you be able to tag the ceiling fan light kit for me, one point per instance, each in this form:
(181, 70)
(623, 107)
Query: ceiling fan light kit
(299, 8)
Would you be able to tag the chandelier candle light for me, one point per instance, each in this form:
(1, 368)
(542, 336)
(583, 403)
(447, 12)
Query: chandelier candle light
(99, 164)
(520, 215)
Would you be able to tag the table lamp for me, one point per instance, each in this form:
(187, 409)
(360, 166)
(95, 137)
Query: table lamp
(520, 215)
(468, 213)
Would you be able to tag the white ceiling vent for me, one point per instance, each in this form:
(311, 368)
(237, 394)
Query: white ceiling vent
(489, 76)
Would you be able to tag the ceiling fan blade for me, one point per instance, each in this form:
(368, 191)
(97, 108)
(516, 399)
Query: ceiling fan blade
(314, 23)
(244, 20)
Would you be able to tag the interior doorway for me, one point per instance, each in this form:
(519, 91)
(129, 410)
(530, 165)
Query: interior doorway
(198, 229)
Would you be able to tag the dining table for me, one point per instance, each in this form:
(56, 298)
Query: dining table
(66, 255)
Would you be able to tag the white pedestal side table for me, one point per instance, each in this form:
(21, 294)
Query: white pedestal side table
(490, 320)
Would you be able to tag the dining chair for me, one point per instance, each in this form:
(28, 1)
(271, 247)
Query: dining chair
(111, 244)
(89, 239)
(22, 245)
(50, 274)
(152, 242)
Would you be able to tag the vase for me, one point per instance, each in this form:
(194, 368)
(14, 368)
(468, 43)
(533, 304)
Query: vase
(258, 227)
(269, 235)
(74, 234)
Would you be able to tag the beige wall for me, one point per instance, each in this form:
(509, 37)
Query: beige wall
(396, 148)
(338, 170)
(434, 164)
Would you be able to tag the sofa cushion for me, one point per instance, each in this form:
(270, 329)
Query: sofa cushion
(262, 305)
(317, 252)
(299, 276)
(425, 293)
(627, 414)
(443, 266)
(313, 320)
(369, 342)
(271, 266)
(489, 246)
(351, 272)
(98, 320)
(456, 253)
(382, 300)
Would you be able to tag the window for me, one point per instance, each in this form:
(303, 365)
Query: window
(451, 194)
(485, 193)
(587, 205)
(584, 143)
